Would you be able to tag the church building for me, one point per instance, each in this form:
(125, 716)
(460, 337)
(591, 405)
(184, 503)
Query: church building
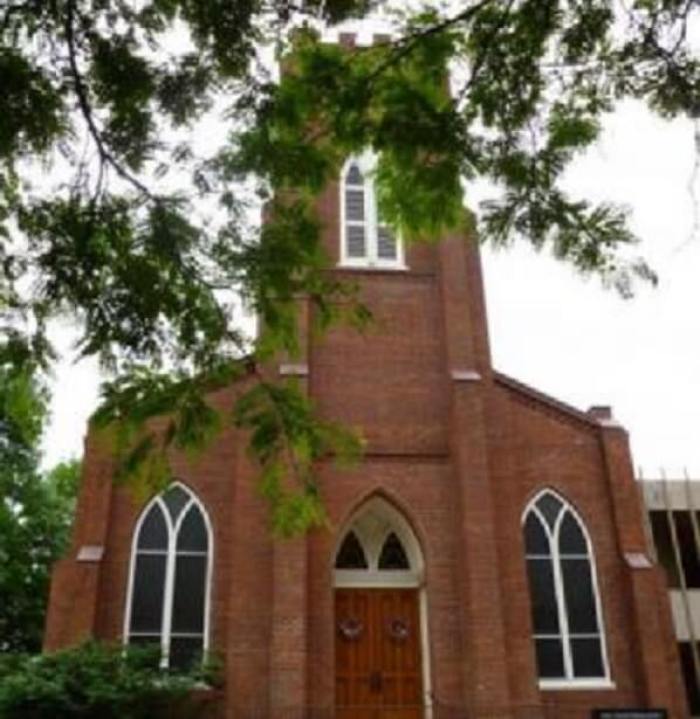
(486, 559)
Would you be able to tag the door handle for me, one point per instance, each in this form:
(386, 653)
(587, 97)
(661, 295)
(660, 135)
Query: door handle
(375, 681)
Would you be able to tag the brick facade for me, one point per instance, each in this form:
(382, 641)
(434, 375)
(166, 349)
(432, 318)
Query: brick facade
(459, 450)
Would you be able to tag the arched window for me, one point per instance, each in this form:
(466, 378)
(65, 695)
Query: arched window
(351, 554)
(169, 580)
(366, 241)
(565, 602)
(378, 548)
(393, 555)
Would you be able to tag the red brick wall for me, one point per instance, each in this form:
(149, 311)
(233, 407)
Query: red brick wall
(533, 450)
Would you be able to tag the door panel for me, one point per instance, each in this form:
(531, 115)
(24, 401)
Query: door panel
(378, 657)
(354, 652)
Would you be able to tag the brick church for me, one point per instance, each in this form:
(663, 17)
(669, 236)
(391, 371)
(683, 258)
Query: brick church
(486, 559)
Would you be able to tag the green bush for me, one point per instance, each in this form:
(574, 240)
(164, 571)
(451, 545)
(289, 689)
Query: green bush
(94, 680)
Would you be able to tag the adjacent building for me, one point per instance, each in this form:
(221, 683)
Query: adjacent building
(674, 529)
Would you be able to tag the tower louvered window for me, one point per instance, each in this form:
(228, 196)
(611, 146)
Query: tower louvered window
(355, 214)
(565, 604)
(169, 584)
(366, 241)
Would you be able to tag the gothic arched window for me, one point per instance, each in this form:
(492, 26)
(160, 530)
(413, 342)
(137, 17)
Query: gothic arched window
(565, 602)
(378, 548)
(393, 555)
(169, 580)
(351, 554)
(366, 241)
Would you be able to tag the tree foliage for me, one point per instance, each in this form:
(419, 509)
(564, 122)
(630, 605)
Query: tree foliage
(36, 509)
(95, 680)
(111, 93)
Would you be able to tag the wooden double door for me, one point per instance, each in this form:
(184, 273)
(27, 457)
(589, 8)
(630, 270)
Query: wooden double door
(378, 654)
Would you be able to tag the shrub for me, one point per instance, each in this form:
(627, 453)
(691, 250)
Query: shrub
(94, 680)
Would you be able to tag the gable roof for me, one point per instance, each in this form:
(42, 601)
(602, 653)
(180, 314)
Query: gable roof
(530, 394)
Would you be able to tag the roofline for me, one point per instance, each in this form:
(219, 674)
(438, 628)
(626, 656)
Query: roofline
(548, 401)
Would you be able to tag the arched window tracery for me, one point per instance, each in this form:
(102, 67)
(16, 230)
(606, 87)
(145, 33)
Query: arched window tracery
(565, 601)
(378, 548)
(170, 573)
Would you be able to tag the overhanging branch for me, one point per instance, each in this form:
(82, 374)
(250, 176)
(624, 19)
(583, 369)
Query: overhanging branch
(81, 91)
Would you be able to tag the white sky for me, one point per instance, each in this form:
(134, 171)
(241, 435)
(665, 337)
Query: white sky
(558, 332)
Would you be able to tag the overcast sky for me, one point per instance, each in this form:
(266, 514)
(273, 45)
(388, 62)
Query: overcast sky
(585, 345)
(558, 332)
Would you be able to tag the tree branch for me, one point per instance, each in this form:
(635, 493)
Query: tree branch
(10, 10)
(408, 43)
(481, 57)
(81, 91)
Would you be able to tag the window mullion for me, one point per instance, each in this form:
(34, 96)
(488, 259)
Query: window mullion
(168, 597)
(561, 605)
(371, 221)
(598, 603)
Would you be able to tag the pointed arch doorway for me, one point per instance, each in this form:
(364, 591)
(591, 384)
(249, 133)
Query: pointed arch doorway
(381, 656)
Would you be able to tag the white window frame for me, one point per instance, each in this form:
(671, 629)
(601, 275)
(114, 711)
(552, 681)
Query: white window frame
(367, 164)
(171, 553)
(569, 681)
